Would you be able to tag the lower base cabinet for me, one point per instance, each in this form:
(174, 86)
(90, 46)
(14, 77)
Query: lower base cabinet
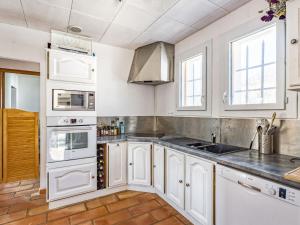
(175, 177)
(199, 190)
(117, 164)
(139, 163)
(72, 180)
(190, 185)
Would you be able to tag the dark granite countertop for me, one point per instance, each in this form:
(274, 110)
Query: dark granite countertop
(272, 167)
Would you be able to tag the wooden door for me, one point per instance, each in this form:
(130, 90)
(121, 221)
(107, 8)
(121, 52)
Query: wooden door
(159, 168)
(20, 145)
(117, 171)
(139, 161)
(199, 190)
(175, 177)
(73, 180)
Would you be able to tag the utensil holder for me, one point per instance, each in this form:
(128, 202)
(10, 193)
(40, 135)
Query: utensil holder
(265, 143)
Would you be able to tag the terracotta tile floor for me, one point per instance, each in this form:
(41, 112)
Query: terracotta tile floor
(20, 206)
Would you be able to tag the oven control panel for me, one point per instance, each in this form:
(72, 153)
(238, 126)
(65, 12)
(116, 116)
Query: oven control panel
(71, 121)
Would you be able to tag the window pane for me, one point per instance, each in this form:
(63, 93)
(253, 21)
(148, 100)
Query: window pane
(270, 96)
(239, 81)
(255, 51)
(270, 76)
(239, 98)
(253, 63)
(189, 88)
(270, 45)
(198, 87)
(254, 97)
(191, 81)
(254, 78)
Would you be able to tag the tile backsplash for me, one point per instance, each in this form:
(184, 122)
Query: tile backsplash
(232, 131)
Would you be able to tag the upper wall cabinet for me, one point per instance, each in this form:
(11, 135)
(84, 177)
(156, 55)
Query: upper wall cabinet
(73, 67)
(293, 28)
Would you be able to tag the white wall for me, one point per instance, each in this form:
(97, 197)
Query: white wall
(29, 93)
(115, 96)
(166, 95)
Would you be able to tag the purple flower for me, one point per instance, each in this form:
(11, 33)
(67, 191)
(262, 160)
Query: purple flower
(270, 12)
(267, 18)
(274, 1)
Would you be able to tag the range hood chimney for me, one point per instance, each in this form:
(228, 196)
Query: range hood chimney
(153, 64)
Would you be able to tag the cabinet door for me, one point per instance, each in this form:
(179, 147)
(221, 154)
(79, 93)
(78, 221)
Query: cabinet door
(199, 190)
(73, 67)
(117, 164)
(175, 177)
(139, 163)
(292, 32)
(159, 168)
(73, 180)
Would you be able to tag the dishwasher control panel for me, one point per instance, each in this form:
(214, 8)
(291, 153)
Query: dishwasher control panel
(259, 184)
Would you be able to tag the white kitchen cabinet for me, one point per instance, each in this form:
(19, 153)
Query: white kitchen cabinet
(159, 168)
(199, 190)
(72, 180)
(293, 45)
(117, 164)
(67, 66)
(139, 163)
(175, 177)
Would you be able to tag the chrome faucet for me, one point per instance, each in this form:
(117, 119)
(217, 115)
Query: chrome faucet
(213, 138)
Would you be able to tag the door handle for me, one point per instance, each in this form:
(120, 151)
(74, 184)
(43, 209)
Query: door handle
(154, 166)
(93, 177)
(187, 185)
(130, 164)
(180, 181)
(249, 186)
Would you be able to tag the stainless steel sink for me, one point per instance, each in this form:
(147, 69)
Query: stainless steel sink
(214, 148)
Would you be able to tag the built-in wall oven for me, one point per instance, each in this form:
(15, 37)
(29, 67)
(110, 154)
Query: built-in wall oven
(71, 138)
(70, 100)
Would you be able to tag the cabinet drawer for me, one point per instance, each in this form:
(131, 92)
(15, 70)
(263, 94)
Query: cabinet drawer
(69, 181)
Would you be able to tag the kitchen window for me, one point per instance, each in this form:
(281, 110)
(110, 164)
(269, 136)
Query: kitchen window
(256, 77)
(192, 71)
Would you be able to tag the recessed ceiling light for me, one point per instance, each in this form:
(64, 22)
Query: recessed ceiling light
(75, 29)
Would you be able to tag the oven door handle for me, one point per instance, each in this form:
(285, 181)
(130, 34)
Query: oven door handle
(73, 129)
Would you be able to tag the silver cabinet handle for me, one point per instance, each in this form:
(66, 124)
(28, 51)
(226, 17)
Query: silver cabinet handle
(249, 186)
(180, 181)
(187, 184)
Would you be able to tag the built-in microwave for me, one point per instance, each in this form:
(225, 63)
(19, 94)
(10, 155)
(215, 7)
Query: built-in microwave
(68, 100)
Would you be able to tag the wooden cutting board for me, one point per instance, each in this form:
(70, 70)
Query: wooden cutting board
(293, 175)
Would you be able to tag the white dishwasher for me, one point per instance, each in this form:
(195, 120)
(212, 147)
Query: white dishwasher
(243, 199)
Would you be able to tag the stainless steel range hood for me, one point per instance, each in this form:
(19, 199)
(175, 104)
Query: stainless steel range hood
(153, 64)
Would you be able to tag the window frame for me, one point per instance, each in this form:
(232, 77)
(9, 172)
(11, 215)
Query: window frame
(247, 31)
(199, 50)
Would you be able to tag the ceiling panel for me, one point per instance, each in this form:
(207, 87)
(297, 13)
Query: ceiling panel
(42, 16)
(11, 12)
(102, 9)
(154, 7)
(134, 18)
(165, 29)
(91, 26)
(119, 35)
(208, 19)
(191, 11)
(60, 3)
(230, 5)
